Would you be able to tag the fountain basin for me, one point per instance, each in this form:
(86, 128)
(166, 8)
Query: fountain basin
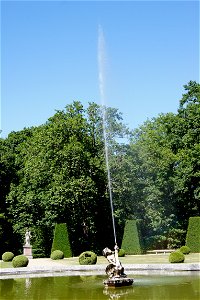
(118, 282)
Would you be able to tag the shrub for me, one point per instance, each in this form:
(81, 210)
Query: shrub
(38, 253)
(131, 241)
(20, 261)
(185, 249)
(176, 257)
(57, 254)
(88, 258)
(193, 234)
(121, 253)
(7, 256)
(61, 240)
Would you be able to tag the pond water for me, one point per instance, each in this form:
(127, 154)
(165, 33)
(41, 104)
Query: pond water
(145, 287)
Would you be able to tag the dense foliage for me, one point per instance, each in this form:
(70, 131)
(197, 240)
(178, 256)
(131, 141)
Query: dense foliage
(61, 240)
(131, 242)
(193, 234)
(38, 253)
(59, 176)
(56, 173)
(160, 174)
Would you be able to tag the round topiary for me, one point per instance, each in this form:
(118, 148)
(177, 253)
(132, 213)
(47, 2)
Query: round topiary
(121, 253)
(88, 258)
(176, 257)
(7, 256)
(185, 249)
(20, 261)
(57, 254)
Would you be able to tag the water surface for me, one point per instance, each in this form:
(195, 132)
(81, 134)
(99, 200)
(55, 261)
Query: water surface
(145, 287)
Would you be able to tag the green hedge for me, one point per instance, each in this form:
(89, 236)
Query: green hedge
(121, 253)
(57, 254)
(88, 258)
(176, 257)
(7, 256)
(61, 240)
(20, 261)
(131, 241)
(185, 249)
(193, 234)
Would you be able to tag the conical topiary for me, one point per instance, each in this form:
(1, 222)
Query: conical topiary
(193, 234)
(61, 240)
(131, 241)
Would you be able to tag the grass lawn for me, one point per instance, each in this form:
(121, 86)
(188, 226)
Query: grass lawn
(5, 264)
(128, 259)
(138, 259)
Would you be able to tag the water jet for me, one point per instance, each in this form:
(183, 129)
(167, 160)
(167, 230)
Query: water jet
(114, 270)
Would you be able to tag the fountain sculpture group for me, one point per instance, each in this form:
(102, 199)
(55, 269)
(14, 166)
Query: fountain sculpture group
(115, 270)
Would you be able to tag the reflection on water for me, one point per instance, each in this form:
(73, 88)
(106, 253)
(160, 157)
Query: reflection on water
(91, 288)
(117, 293)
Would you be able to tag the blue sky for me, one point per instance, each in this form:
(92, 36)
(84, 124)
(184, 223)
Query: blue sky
(49, 57)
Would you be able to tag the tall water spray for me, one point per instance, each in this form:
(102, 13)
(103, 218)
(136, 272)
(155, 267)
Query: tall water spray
(102, 65)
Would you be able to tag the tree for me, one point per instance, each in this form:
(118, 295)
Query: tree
(165, 162)
(63, 180)
(187, 168)
(10, 165)
(154, 161)
(56, 173)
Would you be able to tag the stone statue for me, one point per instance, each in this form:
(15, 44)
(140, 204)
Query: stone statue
(27, 237)
(114, 269)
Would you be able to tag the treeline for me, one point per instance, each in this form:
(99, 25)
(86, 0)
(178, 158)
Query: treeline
(56, 173)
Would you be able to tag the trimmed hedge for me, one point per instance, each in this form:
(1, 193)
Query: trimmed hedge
(7, 256)
(20, 261)
(185, 249)
(131, 241)
(121, 253)
(193, 234)
(88, 258)
(176, 257)
(61, 240)
(57, 254)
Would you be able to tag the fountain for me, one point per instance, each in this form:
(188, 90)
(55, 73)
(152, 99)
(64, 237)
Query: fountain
(114, 270)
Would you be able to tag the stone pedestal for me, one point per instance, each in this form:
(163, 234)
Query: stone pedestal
(118, 282)
(28, 251)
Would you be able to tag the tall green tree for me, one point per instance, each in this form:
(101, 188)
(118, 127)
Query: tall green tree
(187, 167)
(10, 166)
(56, 173)
(63, 179)
(165, 153)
